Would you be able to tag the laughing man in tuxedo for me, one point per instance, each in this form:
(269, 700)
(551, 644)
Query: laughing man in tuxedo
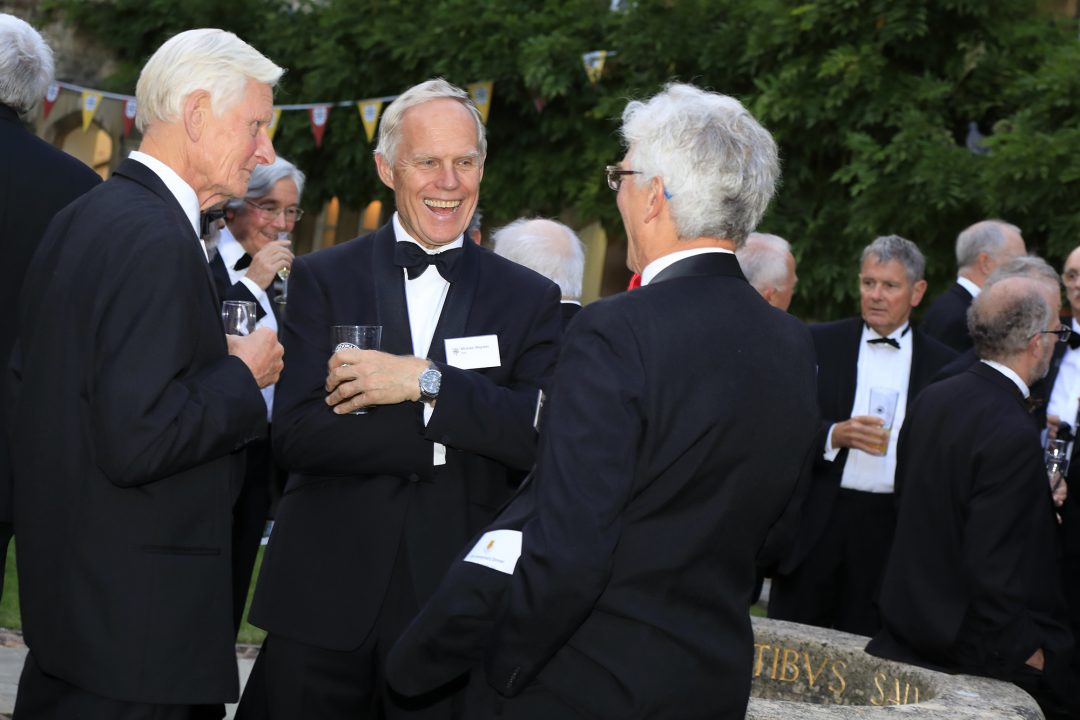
(831, 576)
(655, 486)
(377, 504)
(133, 408)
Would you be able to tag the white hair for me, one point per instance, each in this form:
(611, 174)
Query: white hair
(205, 59)
(986, 236)
(763, 259)
(436, 89)
(26, 64)
(265, 177)
(719, 166)
(546, 246)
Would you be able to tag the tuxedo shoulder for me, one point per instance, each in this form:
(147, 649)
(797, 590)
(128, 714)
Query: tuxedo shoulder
(511, 272)
(835, 328)
(940, 352)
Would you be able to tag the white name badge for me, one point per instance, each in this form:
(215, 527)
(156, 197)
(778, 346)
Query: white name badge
(498, 550)
(473, 353)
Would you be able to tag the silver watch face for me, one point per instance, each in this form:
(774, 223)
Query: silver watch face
(430, 381)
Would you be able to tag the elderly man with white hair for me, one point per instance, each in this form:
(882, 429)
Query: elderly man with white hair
(133, 407)
(617, 584)
(769, 266)
(38, 180)
(551, 249)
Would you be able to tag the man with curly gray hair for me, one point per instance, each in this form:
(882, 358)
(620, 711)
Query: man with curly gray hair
(617, 584)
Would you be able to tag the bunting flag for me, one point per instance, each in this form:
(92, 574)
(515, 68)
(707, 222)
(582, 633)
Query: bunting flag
(129, 116)
(480, 92)
(369, 115)
(273, 126)
(594, 64)
(90, 103)
(539, 102)
(51, 93)
(319, 115)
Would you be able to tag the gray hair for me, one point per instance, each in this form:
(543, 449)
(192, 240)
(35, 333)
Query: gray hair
(1030, 266)
(265, 177)
(436, 89)
(1005, 316)
(719, 166)
(205, 59)
(763, 259)
(546, 246)
(26, 64)
(894, 247)
(986, 236)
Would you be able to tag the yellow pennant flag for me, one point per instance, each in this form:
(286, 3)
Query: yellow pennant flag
(594, 64)
(272, 127)
(369, 115)
(90, 103)
(480, 92)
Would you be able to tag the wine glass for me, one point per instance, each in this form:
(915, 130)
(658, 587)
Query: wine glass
(283, 275)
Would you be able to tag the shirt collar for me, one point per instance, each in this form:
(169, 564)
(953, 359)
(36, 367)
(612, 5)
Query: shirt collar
(900, 334)
(969, 286)
(183, 192)
(1011, 374)
(229, 248)
(662, 263)
(402, 235)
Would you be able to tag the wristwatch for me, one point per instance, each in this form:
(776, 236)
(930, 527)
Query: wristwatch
(430, 382)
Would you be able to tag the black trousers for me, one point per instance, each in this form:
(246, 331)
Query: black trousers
(293, 680)
(44, 697)
(250, 511)
(837, 584)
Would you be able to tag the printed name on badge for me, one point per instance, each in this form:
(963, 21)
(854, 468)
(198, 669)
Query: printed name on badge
(498, 550)
(473, 353)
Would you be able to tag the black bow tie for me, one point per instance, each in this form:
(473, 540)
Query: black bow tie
(1074, 341)
(885, 341)
(415, 261)
(243, 262)
(207, 219)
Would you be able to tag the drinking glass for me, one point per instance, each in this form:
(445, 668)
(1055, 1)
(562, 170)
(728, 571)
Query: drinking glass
(283, 275)
(238, 317)
(883, 405)
(1057, 461)
(358, 337)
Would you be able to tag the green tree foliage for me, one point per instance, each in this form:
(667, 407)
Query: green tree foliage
(870, 101)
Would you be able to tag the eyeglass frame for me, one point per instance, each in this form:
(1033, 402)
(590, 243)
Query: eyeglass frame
(615, 175)
(273, 214)
(1063, 332)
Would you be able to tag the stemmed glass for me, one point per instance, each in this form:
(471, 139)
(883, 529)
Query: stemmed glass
(283, 275)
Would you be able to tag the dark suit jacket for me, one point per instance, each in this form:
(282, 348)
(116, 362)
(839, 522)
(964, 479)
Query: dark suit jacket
(972, 581)
(129, 416)
(946, 319)
(36, 181)
(837, 347)
(655, 487)
(237, 291)
(360, 485)
(568, 310)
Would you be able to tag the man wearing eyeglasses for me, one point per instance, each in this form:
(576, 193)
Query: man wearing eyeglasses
(972, 583)
(617, 584)
(251, 250)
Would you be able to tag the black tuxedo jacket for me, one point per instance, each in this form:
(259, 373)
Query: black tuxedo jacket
(946, 318)
(837, 347)
(227, 290)
(654, 489)
(128, 417)
(568, 311)
(362, 485)
(974, 559)
(36, 181)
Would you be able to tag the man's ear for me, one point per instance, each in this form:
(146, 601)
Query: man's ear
(385, 170)
(196, 111)
(656, 200)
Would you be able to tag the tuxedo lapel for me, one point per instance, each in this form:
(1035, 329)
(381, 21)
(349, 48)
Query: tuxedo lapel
(391, 310)
(458, 303)
(137, 172)
(848, 356)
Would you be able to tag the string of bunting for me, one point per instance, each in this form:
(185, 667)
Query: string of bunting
(370, 109)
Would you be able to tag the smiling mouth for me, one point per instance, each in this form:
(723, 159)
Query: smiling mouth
(442, 204)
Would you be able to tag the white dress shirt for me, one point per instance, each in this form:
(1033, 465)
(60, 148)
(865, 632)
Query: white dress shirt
(230, 250)
(884, 366)
(183, 192)
(425, 296)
